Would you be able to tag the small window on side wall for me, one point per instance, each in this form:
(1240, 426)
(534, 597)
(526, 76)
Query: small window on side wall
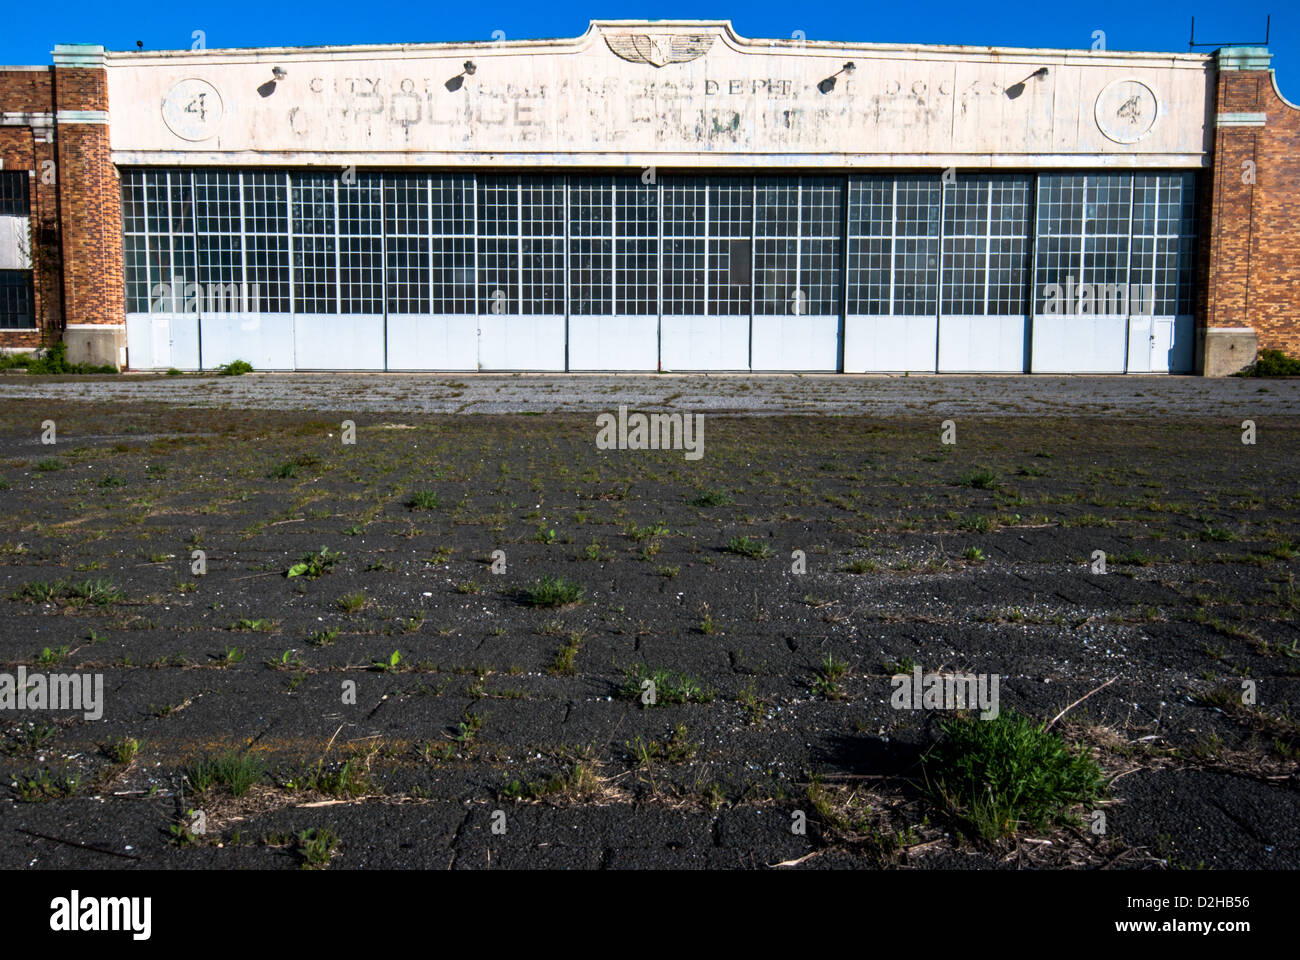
(13, 193)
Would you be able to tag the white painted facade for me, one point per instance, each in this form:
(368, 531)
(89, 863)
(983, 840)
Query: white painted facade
(627, 97)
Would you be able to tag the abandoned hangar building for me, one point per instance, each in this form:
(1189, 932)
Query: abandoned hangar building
(651, 196)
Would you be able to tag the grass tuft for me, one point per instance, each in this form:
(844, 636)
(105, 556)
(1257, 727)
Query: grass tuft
(997, 775)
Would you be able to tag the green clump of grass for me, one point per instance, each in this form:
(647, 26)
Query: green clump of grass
(316, 846)
(669, 687)
(859, 567)
(423, 500)
(552, 592)
(289, 469)
(996, 775)
(97, 593)
(234, 368)
(352, 602)
(237, 772)
(42, 785)
(749, 547)
(122, 751)
(50, 464)
(981, 479)
(713, 498)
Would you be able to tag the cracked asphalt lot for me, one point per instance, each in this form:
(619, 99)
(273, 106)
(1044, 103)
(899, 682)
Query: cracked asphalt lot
(404, 695)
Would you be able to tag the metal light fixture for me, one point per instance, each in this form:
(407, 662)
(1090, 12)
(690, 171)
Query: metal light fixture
(458, 81)
(827, 85)
(279, 73)
(1016, 89)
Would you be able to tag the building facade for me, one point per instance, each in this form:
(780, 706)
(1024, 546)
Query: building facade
(651, 196)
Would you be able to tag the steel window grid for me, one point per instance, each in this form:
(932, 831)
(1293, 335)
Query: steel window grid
(675, 235)
(17, 306)
(15, 199)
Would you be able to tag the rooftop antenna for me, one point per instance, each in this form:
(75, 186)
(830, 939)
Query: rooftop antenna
(1268, 24)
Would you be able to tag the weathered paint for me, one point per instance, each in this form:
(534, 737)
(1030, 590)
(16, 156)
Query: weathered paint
(741, 102)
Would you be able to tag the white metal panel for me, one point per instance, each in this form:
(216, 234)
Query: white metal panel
(143, 332)
(425, 342)
(337, 341)
(877, 344)
(528, 342)
(1086, 343)
(160, 341)
(265, 340)
(183, 330)
(796, 342)
(704, 343)
(1142, 346)
(1161, 344)
(15, 243)
(614, 343)
(982, 344)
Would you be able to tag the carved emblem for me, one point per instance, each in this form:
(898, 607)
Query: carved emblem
(1126, 110)
(192, 109)
(660, 48)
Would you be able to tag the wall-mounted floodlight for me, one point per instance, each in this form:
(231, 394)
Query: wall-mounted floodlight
(268, 88)
(458, 81)
(827, 85)
(1016, 89)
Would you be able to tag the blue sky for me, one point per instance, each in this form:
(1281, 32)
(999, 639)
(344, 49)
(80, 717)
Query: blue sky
(32, 28)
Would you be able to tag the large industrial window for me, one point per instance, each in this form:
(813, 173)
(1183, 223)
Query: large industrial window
(1164, 242)
(1129, 240)
(591, 246)
(406, 243)
(799, 223)
(871, 251)
(266, 241)
(159, 241)
(613, 241)
(521, 245)
(218, 222)
(315, 266)
(985, 242)
(452, 255)
(361, 244)
(636, 247)
(703, 245)
(707, 246)
(894, 245)
(685, 204)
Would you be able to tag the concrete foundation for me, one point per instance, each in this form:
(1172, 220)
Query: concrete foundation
(1226, 350)
(96, 344)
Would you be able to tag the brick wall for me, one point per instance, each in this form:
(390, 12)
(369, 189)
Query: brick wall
(57, 130)
(90, 202)
(1254, 255)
